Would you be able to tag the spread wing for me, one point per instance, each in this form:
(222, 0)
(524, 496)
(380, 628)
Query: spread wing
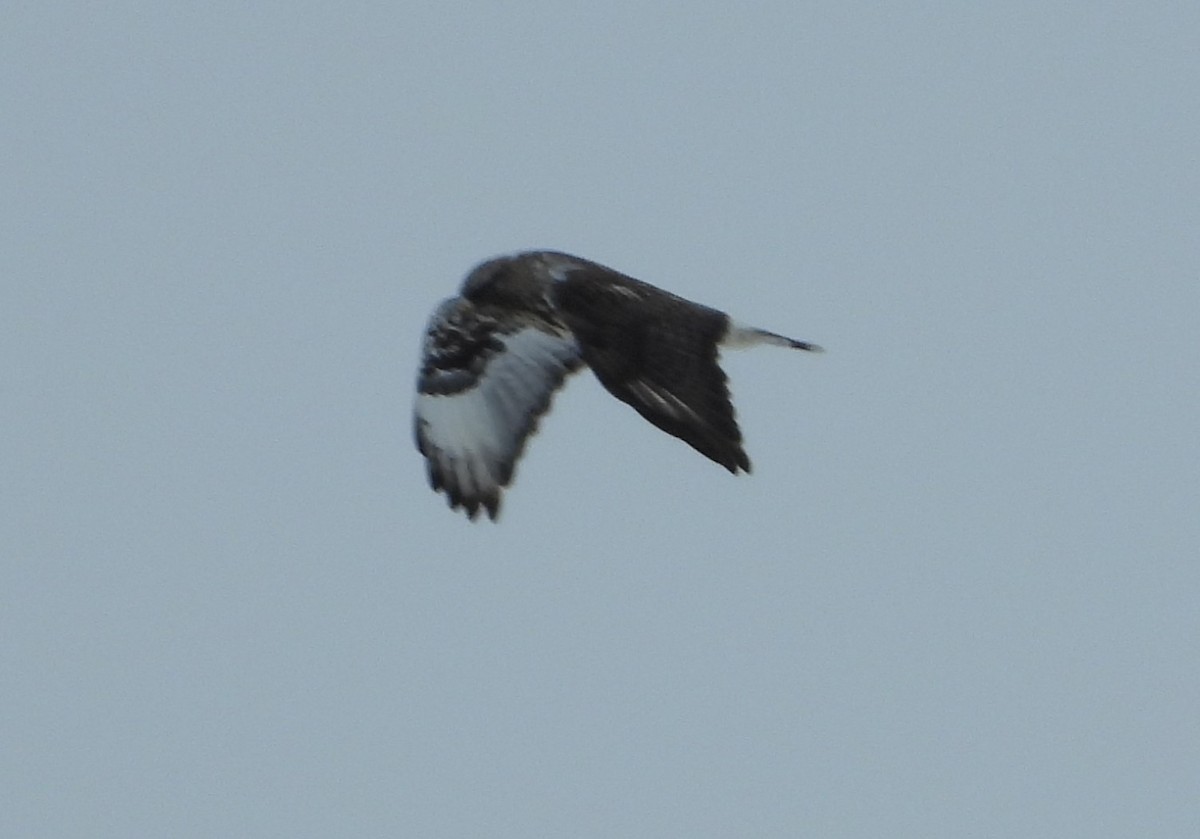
(657, 353)
(485, 380)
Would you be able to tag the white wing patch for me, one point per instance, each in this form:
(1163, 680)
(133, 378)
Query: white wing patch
(668, 403)
(473, 437)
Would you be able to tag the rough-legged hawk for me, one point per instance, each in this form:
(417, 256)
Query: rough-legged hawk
(494, 355)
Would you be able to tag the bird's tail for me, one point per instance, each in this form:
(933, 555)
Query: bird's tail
(738, 336)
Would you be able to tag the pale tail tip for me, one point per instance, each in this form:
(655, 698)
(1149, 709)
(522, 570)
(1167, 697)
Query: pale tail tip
(739, 335)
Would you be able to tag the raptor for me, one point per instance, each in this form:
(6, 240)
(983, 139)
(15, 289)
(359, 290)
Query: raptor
(494, 356)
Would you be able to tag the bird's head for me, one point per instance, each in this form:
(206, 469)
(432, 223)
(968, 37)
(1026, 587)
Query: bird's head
(489, 281)
(520, 281)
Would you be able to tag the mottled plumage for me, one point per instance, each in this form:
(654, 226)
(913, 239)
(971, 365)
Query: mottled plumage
(494, 356)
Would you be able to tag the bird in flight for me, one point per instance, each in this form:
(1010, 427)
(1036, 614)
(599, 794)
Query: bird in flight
(494, 355)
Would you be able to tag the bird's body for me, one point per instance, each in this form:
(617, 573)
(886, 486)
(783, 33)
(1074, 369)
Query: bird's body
(494, 356)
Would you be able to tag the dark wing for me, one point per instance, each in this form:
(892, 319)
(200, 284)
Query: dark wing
(658, 353)
(484, 382)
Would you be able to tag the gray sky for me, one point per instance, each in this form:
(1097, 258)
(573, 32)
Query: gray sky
(957, 597)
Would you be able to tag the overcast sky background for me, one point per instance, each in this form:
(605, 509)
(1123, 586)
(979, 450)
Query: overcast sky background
(959, 596)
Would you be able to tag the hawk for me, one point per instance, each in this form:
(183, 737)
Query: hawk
(494, 355)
